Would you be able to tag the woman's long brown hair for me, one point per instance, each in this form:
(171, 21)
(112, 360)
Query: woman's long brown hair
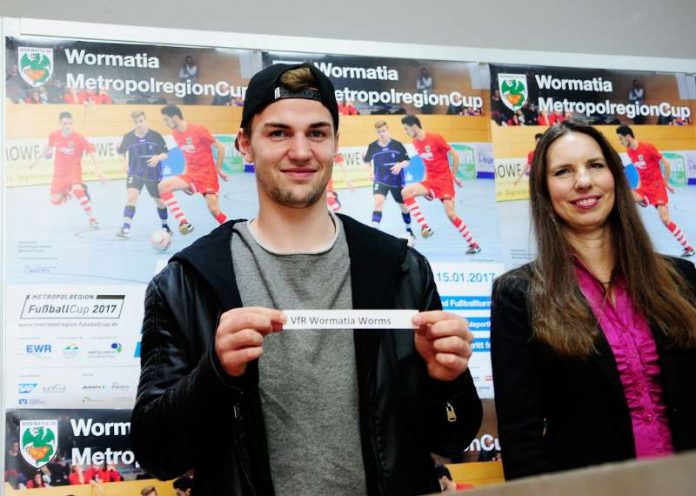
(560, 316)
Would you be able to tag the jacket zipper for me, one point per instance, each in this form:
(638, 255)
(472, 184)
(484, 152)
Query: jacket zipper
(373, 440)
(451, 414)
(238, 418)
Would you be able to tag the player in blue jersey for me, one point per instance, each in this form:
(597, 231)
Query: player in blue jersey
(144, 151)
(389, 159)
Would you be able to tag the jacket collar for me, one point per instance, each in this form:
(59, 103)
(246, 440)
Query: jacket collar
(375, 264)
(211, 257)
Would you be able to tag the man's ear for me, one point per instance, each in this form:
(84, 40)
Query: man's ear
(244, 146)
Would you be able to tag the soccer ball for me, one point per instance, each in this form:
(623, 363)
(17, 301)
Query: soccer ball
(160, 240)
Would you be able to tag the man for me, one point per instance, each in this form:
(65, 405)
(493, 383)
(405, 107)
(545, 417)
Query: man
(439, 182)
(188, 73)
(201, 172)
(145, 150)
(447, 485)
(322, 412)
(389, 159)
(69, 147)
(652, 189)
(530, 159)
(183, 486)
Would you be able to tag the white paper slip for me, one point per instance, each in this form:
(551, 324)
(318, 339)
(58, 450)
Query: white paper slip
(349, 319)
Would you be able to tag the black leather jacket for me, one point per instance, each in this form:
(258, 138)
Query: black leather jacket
(190, 414)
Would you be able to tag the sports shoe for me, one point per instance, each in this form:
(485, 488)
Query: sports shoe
(473, 249)
(123, 233)
(93, 224)
(185, 228)
(688, 252)
(165, 228)
(426, 232)
(410, 240)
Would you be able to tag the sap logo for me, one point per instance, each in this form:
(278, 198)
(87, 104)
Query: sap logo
(38, 349)
(26, 387)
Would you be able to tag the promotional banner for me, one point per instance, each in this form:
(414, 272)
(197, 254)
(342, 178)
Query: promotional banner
(77, 113)
(85, 449)
(658, 107)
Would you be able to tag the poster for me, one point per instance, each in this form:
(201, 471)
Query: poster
(75, 285)
(659, 108)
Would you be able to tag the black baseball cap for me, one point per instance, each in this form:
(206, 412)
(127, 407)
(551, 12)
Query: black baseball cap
(264, 88)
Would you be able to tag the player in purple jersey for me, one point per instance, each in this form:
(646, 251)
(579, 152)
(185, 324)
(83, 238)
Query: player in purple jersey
(144, 150)
(389, 159)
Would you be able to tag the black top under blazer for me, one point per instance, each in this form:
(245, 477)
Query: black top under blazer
(556, 413)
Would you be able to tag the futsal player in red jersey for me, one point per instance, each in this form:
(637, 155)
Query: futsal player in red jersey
(202, 171)
(653, 186)
(332, 201)
(439, 182)
(530, 159)
(69, 147)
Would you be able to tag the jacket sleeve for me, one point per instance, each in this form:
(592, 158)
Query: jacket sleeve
(516, 380)
(174, 393)
(452, 408)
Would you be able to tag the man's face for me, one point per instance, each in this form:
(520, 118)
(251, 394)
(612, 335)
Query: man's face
(140, 124)
(383, 133)
(66, 124)
(183, 492)
(170, 121)
(625, 140)
(292, 146)
(410, 131)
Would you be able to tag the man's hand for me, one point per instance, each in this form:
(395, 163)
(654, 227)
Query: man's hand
(239, 336)
(154, 160)
(444, 341)
(396, 168)
(458, 181)
(223, 175)
(670, 188)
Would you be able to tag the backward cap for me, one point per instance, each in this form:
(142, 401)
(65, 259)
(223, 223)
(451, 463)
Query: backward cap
(264, 88)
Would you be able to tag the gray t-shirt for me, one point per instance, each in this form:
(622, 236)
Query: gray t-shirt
(307, 378)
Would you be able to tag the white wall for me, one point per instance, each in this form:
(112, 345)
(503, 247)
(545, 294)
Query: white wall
(647, 28)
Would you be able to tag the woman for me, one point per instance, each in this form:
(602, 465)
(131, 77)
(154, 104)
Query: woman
(594, 343)
(36, 481)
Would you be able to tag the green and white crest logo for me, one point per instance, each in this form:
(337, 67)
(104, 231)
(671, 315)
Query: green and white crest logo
(38, 441)
(513, 90)
(35, 65)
